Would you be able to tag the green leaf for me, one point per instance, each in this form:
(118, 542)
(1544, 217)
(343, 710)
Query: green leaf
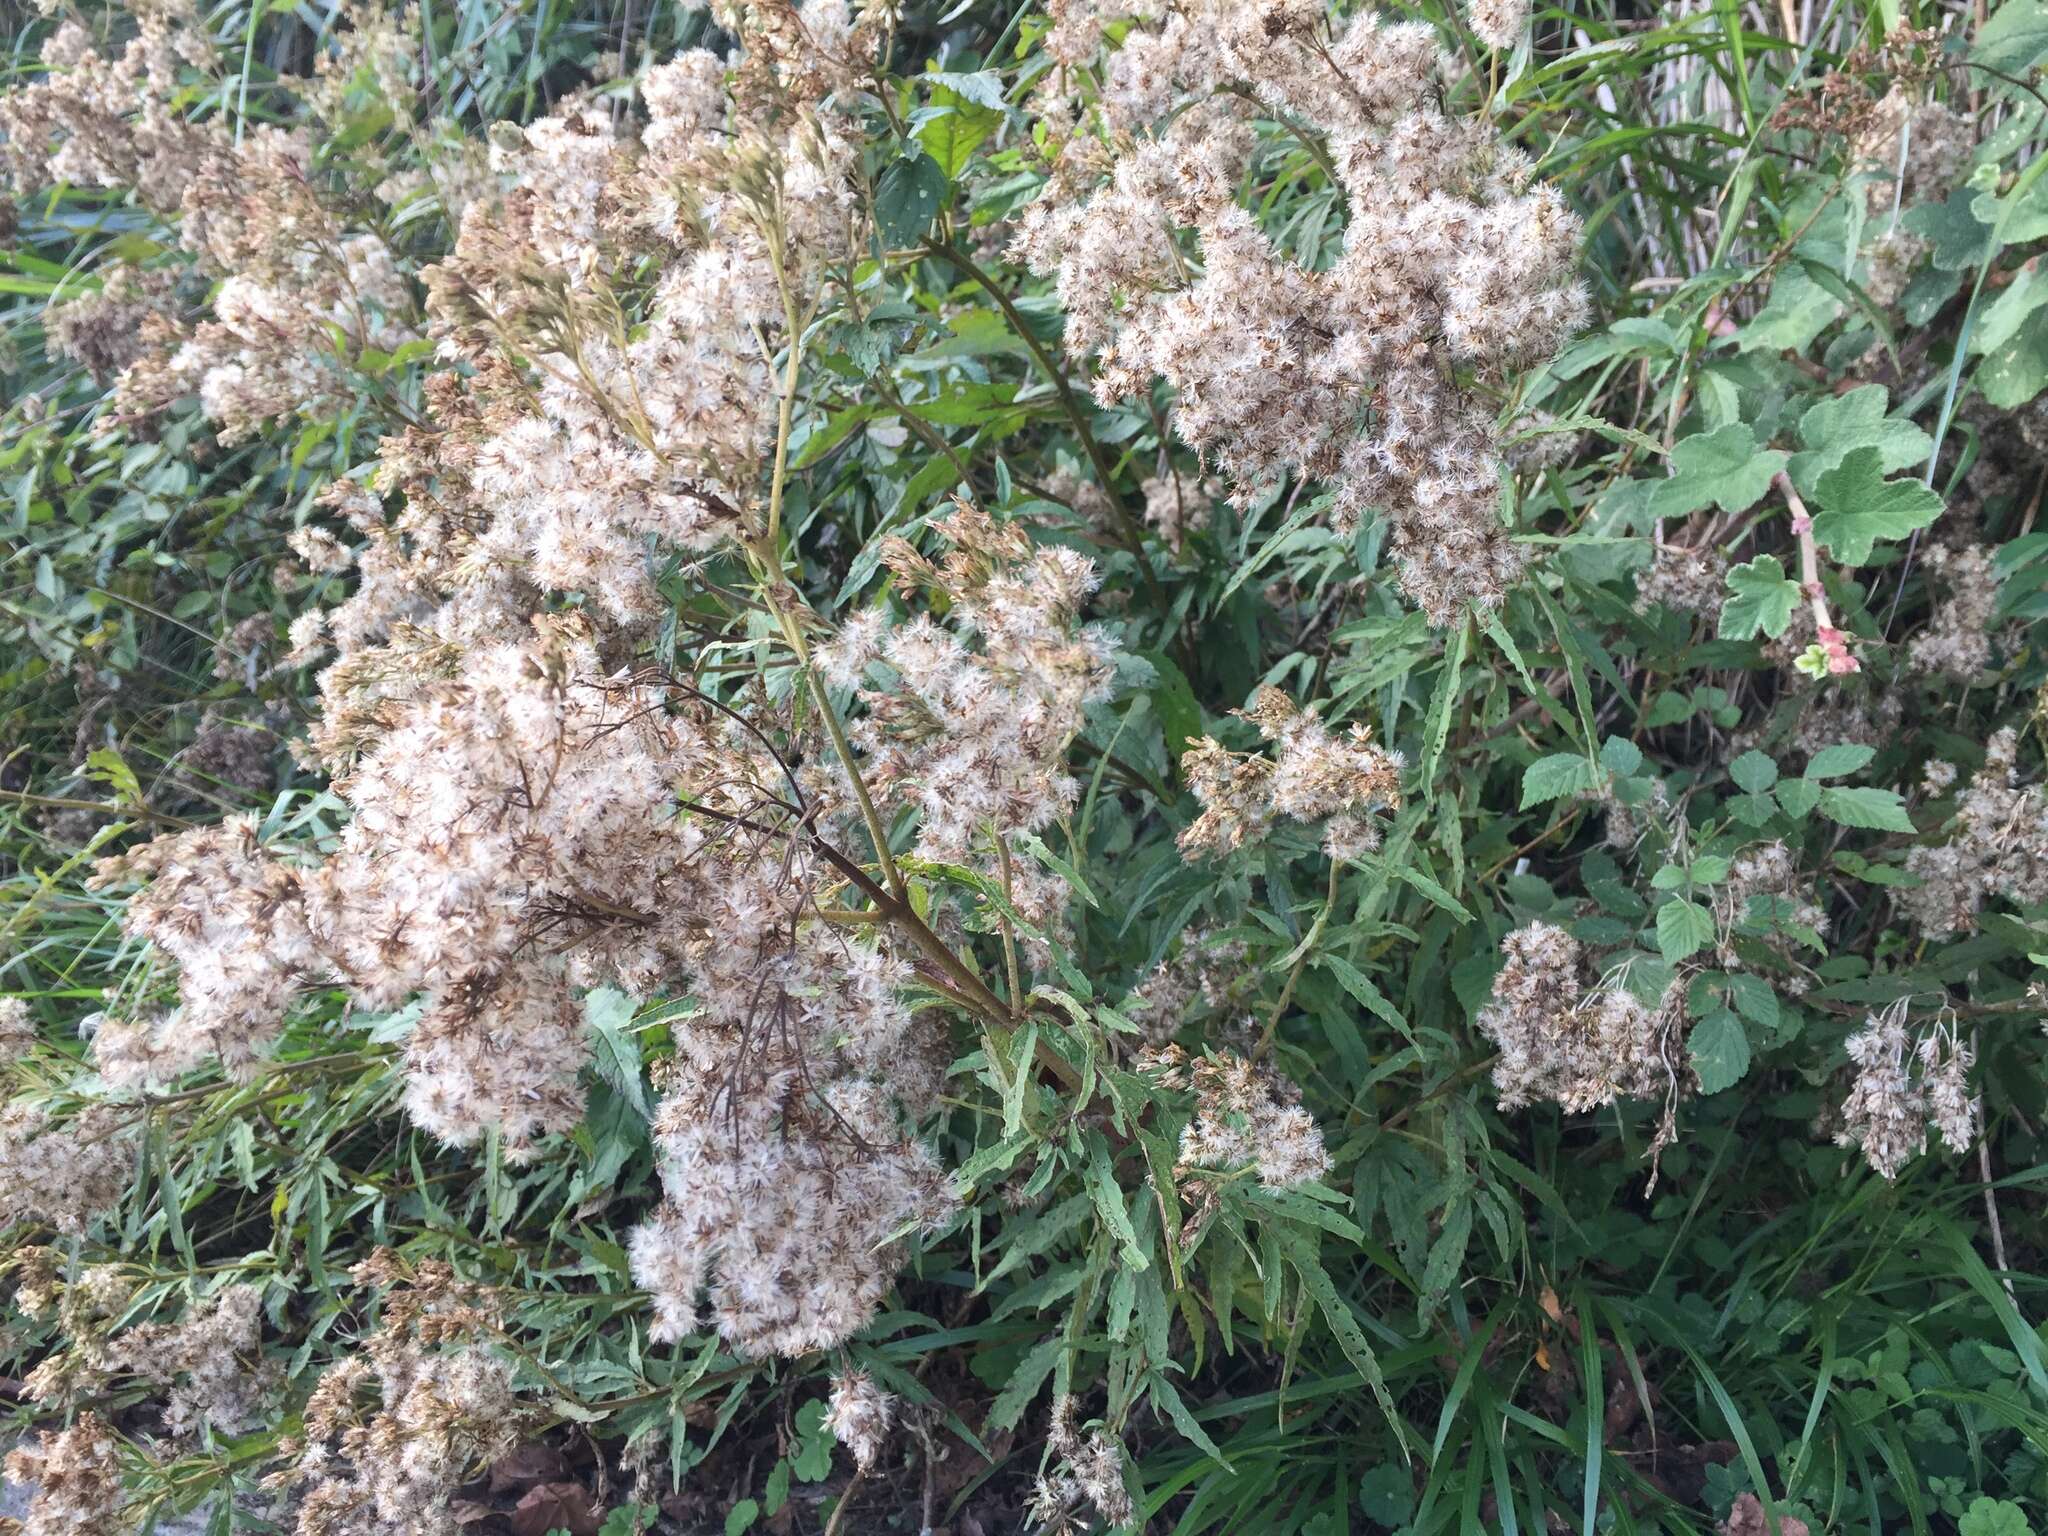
(1753, 999)
(1798, 796)
(2018, 371)
(2014, 40)
(955, 125)
(1561, 773)
(908, 195)
(1859, 507)
(1961, 239)
(2010, 312)
(1994, 1517)
(1109, 1204)
(1620, 756)
(1833, 762)
(1754, 772)
(1683, 928)
(1840, 424)
(1724, 468)
(615, 1053)
(1719, 1046)
(1760, 599)
(1878, 810)
(1798, 310)
(742, 1517)
(2025, 214)
(1300, 1249)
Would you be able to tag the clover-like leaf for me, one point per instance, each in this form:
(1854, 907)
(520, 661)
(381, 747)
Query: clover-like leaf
(1836, 427)
(1761, 597)
(1723, 468)
(1859, 507)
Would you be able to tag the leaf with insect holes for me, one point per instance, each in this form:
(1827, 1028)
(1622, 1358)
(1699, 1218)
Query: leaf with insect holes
(1859, 507)
(1839, 425)
(1723, 468)
(907, 198)
(1760, 599)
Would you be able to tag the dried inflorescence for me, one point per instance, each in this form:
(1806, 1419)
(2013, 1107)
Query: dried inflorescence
(392, 1430)
(1245, 1116)
(1768, 894)
(532, 815)
(1956, 641)
(1089, 1476)
(1903, 1087)
(858, 1416)
(210, 1361)
(973, 727)
(1997, 846)
(62, 1172)
(232, 915)
(75, 1475)
(1454, 262)
(1571, 1036)
(1206, 972)
(1683, 578)
(1313, 775)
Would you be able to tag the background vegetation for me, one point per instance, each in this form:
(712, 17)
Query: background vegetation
(1515, 1320)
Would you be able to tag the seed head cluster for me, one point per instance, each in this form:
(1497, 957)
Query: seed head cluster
(1455, 265)
(1572, 1037)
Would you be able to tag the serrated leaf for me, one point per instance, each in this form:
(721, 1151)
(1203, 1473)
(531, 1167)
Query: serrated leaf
(1109, 1204)
(1753, 998)
(1876, 810)
(1620, 756)
(1719, 1047)
(907, 198)
(1760, 599)
(1837, 426)
(1561, 773)
(1724, 468)
(1798, 796)
(1683, 928)
(614, 1052)
(1754, 772)
(1859, 507)
(1316, 1283)
(1843, 758)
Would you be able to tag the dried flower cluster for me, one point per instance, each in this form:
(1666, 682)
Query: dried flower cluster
(1997, 846)
(1089, 1476)
(1313, 775)
(209, 1363)
(1903, 1088)
(391, 1430)
(858, 1416)
(1454, 265)
(1956, 642)
(1245, 1116)
(973, 731)
(1576, 1041)
(76, 1475)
